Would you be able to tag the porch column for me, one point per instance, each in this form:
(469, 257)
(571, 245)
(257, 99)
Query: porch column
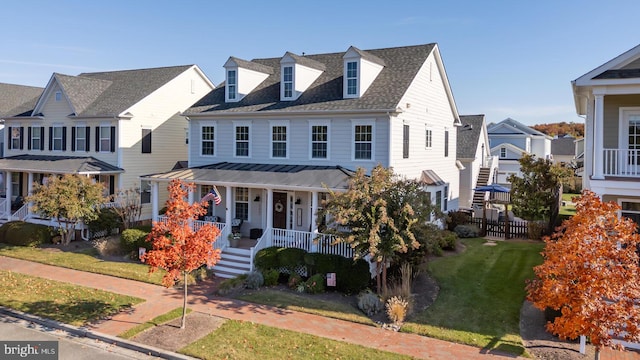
(269, 208)
(598, 138)
(7, 185)
(154, 201)
(29, 189)
(314, 219)
(227, 205)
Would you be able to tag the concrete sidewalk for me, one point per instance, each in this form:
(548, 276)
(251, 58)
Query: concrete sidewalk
(160, 300)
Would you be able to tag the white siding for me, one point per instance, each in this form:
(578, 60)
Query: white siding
(248, 80)
(426, 104)
(519, 141)
(540, 147)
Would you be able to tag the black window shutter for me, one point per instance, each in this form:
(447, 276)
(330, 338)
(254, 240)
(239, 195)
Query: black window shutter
(446, 143)
(21, 137)
(146, 141)
(73, 138)
(97, 138)
(50, 138)
(405, 141)
(29, 138)
(41, 137)
(64, 138)
(20, 184)
(9, 141)
(87, 138)
(112, 185)
(113, 139)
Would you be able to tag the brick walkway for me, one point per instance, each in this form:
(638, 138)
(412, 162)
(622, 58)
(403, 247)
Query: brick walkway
(160, 300)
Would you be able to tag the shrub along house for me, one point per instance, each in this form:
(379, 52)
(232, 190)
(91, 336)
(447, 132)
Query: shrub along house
(281, 131)
(112, 126)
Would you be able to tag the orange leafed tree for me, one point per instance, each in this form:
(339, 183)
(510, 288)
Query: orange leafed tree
(177, 248)
(591, 274)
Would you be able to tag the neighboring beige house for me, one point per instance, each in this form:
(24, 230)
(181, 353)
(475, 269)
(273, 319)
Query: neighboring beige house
(112, 126)
(609, 97)
(14, 98)
(282, 131)
(475, 155)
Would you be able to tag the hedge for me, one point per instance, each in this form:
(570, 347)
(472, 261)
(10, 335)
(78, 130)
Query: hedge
(22, 233)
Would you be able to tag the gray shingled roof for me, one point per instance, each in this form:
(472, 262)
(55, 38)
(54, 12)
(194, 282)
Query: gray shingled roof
(430, 178)
(468, 136)
(252, 65)
(517, 125)
(275, 175)
(17, 99)
(58, 164)
(111, 93)
(401, 66)
(619, 74)
(563, 146)
(306, 61)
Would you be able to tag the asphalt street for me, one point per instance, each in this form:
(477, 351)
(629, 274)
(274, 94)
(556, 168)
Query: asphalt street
(69, 346)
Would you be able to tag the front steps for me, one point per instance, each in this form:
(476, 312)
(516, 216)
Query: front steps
(233, 262)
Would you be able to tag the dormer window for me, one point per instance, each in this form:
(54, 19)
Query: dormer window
(287, 81)
(352, 78)
(232, 85)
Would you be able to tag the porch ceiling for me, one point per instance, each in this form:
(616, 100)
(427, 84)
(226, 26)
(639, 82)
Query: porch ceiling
(275, 176)
(58, 165)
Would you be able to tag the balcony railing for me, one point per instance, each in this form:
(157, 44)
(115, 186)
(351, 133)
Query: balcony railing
(621, 162)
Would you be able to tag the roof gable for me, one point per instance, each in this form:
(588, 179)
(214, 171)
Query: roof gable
(326, 92)
(509, 147)
(469, 135)
(563, 146)
(511, 126)
(616, 68)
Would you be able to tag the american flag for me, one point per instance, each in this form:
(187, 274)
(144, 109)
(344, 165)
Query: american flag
(212, 195)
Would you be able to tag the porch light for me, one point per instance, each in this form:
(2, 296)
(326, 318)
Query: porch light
(257, 198)
(298, 201)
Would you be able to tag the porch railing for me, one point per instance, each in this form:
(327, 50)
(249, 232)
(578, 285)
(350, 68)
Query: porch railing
(197, 224)
(621, 162)
(21, 213)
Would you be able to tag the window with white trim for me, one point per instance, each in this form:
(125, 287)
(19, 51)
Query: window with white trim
(631, 210)
(287, 82)
(439, 199)
(242, 203)
(208, 139)
(15, 185)
(503, 152)
(58, 95)
(36, 138)
(279, 141)
(428, 138)
(352, 78)
(242, 141)
(56, 138)
(363, 142)
(145, 192)
(16, 137)
(319, 141)
(105, 139)
(232, 85)
(81, 138)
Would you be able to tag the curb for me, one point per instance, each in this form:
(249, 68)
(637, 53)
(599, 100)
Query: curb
(83, 332)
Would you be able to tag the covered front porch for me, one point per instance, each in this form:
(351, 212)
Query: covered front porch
(265, 204)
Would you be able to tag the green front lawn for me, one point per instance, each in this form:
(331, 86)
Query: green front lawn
(84, 260)
(71, 304)
(245, 340)
(481, 293)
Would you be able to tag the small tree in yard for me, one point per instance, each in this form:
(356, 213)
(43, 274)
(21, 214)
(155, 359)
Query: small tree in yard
(591, 274)
(69, 200)
(177, 248)
(536, 194)
(375, 216)
(127, 206)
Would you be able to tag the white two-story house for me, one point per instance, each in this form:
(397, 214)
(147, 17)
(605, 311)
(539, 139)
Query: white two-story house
(111, 126)
(609, 98)
(509, 140)
(281, 132)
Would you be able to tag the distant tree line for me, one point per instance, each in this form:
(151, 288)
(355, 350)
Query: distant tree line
(562, 128)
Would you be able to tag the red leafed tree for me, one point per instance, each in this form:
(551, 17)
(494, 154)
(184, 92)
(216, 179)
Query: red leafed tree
(591, 274)
(177, 248)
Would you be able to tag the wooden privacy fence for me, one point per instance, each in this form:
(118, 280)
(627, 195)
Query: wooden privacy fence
(500, 228)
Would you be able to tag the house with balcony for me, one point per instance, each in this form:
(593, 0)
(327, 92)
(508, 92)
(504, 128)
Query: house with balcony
(280, 133)
(509, 140)
(112, 126)
(474, 152)
(609, 98)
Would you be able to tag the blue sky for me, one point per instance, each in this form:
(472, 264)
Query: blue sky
(503, 58)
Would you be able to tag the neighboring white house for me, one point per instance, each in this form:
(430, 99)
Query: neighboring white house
(510, 139)
(282, 131)
(473, 152)
(13, 100)
(113, 126)
(609, 97)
